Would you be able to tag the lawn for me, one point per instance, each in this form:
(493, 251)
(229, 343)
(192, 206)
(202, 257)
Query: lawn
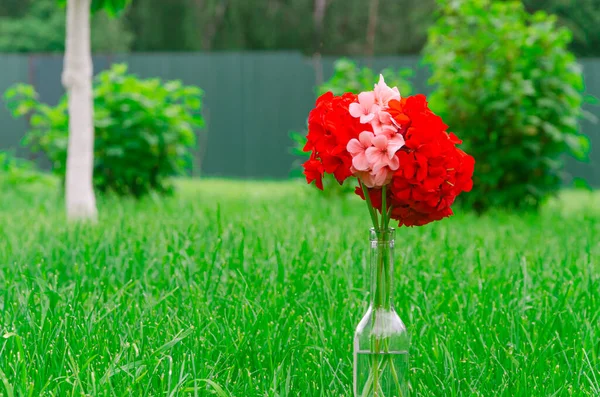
(254, 289)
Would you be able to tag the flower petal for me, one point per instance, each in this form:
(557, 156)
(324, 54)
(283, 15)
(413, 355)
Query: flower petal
(360, 162)
(380, 142)
(366, 100)
(374, 155)
(385, 117)
(365, 138)
(354, 146)
(365, 119)
(395, 144)
(383, 93)
(367, 179)
(380, 177)
(355, 110)
(383, 162)
(394, 163)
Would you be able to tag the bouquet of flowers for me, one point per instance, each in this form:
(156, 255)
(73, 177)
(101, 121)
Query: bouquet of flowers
(409, 169)
(408, 166)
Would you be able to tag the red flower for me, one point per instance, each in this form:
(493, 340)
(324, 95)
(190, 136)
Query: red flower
(330, 128)
(432, 172)
(396, 110)
(313, 169)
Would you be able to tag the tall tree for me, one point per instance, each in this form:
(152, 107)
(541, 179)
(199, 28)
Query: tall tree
(372, 27)
(319, 20)
(160, 25)
(77, 79)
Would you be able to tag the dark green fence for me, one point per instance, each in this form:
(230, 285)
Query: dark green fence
(252, 101)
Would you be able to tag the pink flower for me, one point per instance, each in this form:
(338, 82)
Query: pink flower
(357, 148)
(383, 152)
(366, 108)
(383, 125)
(384, 94)
(379, 179)
(387, 119)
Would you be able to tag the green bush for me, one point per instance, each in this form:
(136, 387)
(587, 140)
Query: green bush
(509, 87)
(144, 130)
(348, 77)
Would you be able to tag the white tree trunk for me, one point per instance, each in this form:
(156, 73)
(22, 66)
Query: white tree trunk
(77, 80)
(319, 11)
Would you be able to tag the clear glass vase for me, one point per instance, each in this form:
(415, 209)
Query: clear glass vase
(381, 341)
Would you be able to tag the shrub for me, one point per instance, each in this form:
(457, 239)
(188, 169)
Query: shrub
(507, 84)
(348, 77)
(144, 130)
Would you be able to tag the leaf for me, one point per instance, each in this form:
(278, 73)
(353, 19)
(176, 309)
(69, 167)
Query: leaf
(181, 336)
(579, 146)
(9, 389)
(112, 7)
(581, 184)
(217, 388)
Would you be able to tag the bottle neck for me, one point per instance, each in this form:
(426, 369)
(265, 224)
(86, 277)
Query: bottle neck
(382, 268)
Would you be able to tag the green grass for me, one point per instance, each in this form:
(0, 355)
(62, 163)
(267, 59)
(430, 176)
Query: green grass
(254, 289)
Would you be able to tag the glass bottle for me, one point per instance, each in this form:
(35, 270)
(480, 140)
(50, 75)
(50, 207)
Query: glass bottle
(381, 341)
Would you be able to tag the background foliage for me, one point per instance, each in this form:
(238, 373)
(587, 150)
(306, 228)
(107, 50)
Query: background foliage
(16, 172)
(144, 129)
(509, 87)
(41, 28)
(189, 25)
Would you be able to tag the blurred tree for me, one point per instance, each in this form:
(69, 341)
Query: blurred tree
(41, 28)
(338, 26)
(13, 8)
(372, 26)
(160, 25)
(582, 17)
(312, 26)
(507, 84)
(77, 79)
(320, 10)
(207, 23)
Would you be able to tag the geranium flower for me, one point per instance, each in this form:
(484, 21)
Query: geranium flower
(383, 152)
(365, 109)
(383, 126)
(395, 110)
(313, 169)
(384, 94)
(375, 179)
(358, 148)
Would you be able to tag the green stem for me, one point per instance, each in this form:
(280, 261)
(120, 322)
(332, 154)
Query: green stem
(382, 296)
(389, 216)
(384, 221)
(370, 205)
(376, 369)
(393, 368)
